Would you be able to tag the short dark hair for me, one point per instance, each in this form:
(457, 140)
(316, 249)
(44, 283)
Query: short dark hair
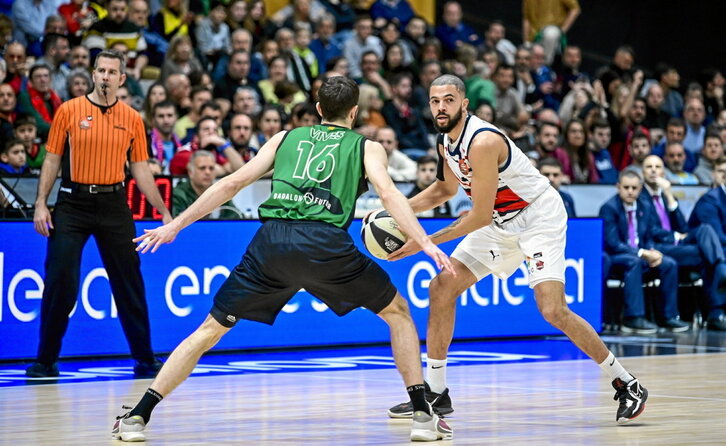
(549, 161)
(502, 66)
(304, 108)
(599, 123)
(426, 159)
(51, 39)
(13, 142)
(198, 89)
(448, 79)
(629, 173)
(201, 120)
(626, 49)
(639, 134)
(711, 134)
(544, 124)
(112, 54)
(211, 104)
(163, 104)
(37, 67)
(662, 68)
(22, 120)
(400, 77)
(706, 75)
(676, 122)
(337, 96)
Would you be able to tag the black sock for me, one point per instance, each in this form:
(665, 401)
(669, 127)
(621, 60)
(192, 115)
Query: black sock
(150, 399)
(417, 393)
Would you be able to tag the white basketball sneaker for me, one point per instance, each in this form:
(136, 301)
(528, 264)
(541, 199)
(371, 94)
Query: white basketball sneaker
(427, 427)
(129, 428)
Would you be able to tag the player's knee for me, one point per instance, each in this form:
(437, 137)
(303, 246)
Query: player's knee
(211, 332)
(443, 289)
(555, 314)
(398, 308)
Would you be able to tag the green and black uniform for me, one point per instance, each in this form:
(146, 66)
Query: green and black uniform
(304, 242)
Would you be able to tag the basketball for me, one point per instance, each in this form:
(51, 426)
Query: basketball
(381, 235)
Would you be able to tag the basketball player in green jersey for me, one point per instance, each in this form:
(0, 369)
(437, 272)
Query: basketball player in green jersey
(319, 172)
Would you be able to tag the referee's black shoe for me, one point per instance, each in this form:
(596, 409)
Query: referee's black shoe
(440, 402)
(40, 370)
(147, 369)
(632, 397)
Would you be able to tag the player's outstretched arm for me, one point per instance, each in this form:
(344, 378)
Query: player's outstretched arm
(376, 164)
(219, 193)
(484, 159)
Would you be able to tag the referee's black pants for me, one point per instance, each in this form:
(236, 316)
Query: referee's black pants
(107, 217)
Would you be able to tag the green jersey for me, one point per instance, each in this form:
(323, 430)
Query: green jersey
(318, 176)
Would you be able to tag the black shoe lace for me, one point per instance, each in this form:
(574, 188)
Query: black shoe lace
(621, 394)
(126, 415)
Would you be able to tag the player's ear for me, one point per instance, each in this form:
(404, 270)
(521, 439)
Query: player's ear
(320, 110)
(353, 113)
(465, 105)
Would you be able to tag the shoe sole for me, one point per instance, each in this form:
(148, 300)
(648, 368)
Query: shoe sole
(132, 437)
(629, 330)
(622, 421)
(427, 435)
(400, 414)
(679, 329)
(439, 411)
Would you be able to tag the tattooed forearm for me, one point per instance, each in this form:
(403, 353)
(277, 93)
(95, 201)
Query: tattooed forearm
(447, 229)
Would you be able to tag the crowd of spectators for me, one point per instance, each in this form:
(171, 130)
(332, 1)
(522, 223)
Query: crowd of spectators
(225, 76)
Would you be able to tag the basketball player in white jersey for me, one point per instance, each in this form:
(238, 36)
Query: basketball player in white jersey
(516, 216)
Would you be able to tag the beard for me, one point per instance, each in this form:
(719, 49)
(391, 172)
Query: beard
(453, 121)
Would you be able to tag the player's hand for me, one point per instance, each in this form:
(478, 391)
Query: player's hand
(42, 220)
(442, 260)
(154, 238)
(409, 248)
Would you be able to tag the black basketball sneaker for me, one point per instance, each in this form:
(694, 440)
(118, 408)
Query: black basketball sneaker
(440, 402)
(632, 397)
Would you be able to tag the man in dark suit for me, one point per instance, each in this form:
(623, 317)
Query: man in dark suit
(698, 247)
(631, 232)
(710, 210)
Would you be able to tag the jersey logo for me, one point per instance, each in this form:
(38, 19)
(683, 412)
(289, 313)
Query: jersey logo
(464, 167)
(85, 124)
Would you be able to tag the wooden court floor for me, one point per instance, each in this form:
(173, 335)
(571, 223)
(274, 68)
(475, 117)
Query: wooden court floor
(539, 403)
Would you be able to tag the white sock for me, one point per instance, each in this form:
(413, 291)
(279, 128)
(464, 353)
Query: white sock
(436, 374)
(612, 367)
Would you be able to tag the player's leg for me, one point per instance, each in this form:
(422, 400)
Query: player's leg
(542, 241)
(426, 426)
(443, 291)
(551, 302)
(130, 427)
(404, 341)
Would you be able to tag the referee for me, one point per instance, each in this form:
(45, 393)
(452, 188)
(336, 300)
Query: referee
(91, 139)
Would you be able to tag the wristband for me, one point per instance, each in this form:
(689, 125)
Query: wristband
(223, 147)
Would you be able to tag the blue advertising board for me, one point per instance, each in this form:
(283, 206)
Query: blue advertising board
(181, 280)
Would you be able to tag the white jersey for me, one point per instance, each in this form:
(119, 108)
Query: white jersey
(520, 183)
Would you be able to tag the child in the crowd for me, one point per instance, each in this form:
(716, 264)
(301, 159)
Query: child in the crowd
(26, 130)
(12, 158)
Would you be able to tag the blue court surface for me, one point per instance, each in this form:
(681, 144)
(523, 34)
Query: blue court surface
(543, 349)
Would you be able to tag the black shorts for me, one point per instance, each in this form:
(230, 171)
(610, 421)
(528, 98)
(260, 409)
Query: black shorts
(287, 255)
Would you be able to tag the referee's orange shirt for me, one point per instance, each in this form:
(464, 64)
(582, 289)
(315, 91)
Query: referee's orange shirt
(95, 145)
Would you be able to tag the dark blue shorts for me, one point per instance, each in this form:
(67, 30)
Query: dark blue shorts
(287, 255)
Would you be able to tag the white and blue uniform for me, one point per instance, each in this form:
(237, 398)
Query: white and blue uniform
(529, 219)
